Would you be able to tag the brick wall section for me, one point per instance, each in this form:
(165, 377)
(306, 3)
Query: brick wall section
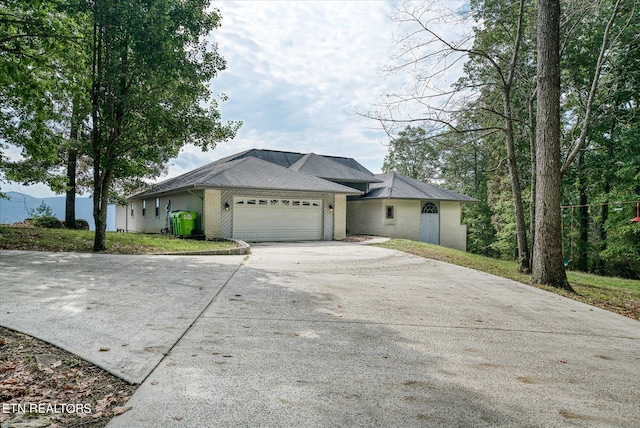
(340, 217)
(211, 215)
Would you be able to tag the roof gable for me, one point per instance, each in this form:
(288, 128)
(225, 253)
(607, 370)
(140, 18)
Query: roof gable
(284, 159)
(398, 186)
(329, 168)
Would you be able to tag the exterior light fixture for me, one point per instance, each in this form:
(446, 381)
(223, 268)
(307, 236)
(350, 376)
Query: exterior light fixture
(226, 206)
(330, 208)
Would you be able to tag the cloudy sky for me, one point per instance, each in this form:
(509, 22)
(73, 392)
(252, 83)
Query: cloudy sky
(296, 73)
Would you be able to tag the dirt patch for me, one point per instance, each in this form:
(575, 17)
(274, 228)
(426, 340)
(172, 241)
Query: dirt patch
(357, 238)
(49, 387)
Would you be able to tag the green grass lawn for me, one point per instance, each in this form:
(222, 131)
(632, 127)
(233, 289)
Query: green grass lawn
(615, 294)
(40, 239)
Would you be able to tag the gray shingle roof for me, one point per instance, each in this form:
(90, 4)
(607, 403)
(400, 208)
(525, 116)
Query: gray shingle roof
(284, 159)
(331, 169)
(398, 186)
(248, 173)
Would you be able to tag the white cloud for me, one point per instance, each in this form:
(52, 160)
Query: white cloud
(296, 73)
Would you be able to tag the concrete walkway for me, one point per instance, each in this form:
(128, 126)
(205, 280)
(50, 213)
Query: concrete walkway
(328, 334)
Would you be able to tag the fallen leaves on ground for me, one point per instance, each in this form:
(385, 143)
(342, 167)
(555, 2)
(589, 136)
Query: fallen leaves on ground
(35, 373)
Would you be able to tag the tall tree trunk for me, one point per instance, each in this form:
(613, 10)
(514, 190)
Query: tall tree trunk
(106, 138)
(102, 183)
(532, 200)
(516, 188)
(548, 267)
(70, 196)
(516, 185)
(72, 162)
(99, 207)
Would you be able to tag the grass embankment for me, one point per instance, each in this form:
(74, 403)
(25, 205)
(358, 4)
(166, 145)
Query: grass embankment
(39, 239)
(614, 294)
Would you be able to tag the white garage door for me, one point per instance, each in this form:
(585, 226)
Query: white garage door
(267, 219)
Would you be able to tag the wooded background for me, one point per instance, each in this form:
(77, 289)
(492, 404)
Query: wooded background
(478, 136)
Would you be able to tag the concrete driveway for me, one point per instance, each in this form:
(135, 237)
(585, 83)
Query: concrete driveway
(122, 313)
(328, 334)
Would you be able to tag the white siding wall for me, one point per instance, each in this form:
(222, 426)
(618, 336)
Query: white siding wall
(369, 217)
(452, 233)
(406, 221)
(363, 217)
(121, 217)
(150, 223)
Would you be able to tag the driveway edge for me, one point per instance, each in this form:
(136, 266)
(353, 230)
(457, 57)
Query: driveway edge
(241, 249)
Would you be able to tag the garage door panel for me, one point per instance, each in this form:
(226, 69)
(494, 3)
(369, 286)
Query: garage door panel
(249, 236)
(256, 219)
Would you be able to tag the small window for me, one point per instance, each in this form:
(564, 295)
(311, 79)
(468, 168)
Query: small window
(429, 208)
(262, 202)
(390, 212)
(306, 203)
(131, 208)
(296, 203)
(274, 201)
(285, 202)
(251, 202)
(157, 207)
(240, 203)
(144, 208)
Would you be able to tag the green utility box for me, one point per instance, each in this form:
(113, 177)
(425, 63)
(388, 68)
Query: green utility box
(185, 223)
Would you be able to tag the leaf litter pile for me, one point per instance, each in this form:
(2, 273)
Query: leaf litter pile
(44, 386)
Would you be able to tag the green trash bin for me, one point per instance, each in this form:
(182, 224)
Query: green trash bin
(184, 223)
(175, 222)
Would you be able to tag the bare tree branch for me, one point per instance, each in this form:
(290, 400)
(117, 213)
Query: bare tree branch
(602, 56)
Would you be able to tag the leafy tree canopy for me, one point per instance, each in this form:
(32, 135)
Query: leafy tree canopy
(415, 154)
(40, 63)
(152, 63)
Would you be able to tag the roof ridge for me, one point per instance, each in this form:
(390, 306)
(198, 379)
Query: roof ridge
(277, 151)
(233, 156)
(297, 165)
(393, 181)
(305, 159)
(337, 157)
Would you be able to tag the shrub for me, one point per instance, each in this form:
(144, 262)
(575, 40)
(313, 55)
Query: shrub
(82, 224)
(43, 217)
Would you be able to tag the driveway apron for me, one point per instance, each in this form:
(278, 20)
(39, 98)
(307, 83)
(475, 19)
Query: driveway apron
(122, 313)
(337, 334)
